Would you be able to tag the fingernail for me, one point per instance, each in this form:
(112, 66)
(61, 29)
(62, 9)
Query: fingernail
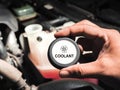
(64, 74)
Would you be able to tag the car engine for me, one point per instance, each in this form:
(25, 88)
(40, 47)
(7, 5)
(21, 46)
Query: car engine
(27, 29)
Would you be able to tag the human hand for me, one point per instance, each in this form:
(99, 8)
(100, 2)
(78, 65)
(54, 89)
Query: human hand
(106, 41)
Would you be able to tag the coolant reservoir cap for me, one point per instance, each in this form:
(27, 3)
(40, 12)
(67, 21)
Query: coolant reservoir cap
(63, 52)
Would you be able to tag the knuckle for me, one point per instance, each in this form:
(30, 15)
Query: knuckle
(85, 21)
(113, 31)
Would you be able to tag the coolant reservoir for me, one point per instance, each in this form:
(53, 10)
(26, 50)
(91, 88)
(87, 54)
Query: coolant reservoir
(39, 42)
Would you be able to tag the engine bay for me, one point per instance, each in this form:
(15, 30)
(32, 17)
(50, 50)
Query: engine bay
(27, 29)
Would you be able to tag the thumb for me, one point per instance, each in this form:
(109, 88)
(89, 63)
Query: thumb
(82, 70)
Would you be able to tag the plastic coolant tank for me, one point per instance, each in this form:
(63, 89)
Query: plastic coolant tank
(39, 42)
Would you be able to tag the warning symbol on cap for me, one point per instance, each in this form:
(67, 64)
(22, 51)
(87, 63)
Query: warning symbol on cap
(64, 49)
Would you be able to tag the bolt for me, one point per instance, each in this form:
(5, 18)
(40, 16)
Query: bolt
(39, 38)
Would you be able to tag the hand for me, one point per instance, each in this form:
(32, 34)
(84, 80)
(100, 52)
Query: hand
(107, 61)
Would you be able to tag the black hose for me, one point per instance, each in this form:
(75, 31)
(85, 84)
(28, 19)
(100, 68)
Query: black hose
(3, 52)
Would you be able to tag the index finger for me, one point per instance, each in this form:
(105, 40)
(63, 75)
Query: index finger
(84, 29)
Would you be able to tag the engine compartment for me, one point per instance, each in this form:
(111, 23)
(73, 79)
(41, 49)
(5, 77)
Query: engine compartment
(24, 46)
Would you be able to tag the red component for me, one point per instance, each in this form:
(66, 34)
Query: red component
(54, 74)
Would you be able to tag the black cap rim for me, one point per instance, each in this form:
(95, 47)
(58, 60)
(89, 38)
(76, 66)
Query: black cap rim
(57, 64)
